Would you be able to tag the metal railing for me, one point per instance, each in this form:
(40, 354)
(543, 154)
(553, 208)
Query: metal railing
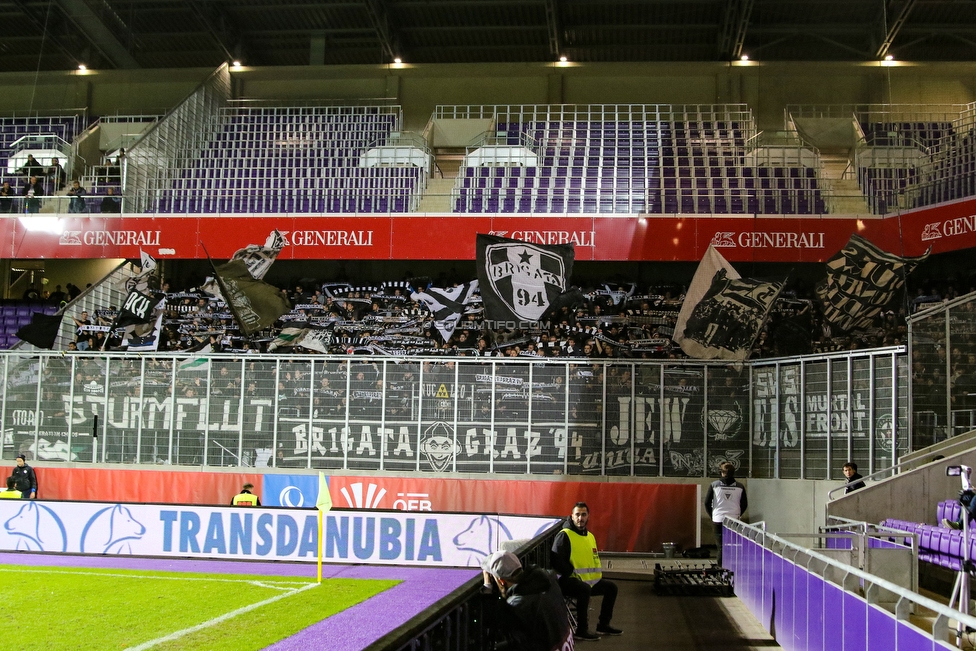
(788, 418)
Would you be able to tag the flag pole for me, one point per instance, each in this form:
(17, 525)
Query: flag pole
(318, 575)
(323, 502)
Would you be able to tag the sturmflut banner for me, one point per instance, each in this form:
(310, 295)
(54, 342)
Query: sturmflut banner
(272, 534)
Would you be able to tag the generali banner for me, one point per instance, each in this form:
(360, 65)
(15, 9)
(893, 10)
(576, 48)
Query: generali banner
(779, 238)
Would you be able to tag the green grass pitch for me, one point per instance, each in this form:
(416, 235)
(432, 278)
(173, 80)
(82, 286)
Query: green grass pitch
(98, 609)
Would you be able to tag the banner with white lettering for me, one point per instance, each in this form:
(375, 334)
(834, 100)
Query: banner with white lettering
(522, 282)
(137, 308)
(379, 538)
(862, 280)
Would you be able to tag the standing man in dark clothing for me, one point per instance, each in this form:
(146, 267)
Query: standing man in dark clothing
(725, 498)
(33, 190)
(6, 197)
(533, 614)
(575, 559)
(853, 479)
(246, 497)
(25, 477)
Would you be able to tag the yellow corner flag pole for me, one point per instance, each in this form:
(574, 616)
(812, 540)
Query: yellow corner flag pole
(323, 503)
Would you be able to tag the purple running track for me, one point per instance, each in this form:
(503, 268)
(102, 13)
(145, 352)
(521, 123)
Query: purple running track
(350, 630)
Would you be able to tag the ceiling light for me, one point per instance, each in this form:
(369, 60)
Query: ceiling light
(562, 59)
(82, 67)
(744, 57)
(236, 64)
(889, 57)
(397, 60)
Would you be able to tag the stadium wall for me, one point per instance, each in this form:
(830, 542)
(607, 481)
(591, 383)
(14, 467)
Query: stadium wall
(766, 87)
(656, 512)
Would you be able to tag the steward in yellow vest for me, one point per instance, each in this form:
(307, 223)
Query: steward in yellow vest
(575, 558)
(11, 493)
(246, 497)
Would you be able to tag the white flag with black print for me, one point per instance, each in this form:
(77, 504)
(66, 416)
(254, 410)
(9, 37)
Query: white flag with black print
(447, 304)
(723, 313)
(258, 259)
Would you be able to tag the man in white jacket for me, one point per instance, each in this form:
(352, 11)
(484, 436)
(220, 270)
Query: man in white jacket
(725, 498)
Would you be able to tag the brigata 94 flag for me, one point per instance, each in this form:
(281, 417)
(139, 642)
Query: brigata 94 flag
(520, 281)
(861, 281)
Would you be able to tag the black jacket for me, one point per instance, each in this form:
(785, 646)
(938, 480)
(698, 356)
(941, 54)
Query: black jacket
(853, 483)
(26, 479)
(534, 612)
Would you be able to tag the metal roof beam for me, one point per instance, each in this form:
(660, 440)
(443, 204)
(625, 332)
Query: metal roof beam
(388, 38)
(220, 28)
(894, 28)
(734, 27)
(552, 23)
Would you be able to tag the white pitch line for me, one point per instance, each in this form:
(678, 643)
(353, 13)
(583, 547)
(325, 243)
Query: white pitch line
(256, 582)
(217, 620)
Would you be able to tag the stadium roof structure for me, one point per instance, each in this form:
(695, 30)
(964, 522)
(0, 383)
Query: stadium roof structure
(132, 34)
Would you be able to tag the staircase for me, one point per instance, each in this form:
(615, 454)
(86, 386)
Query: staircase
(437, 197)
(844, 196)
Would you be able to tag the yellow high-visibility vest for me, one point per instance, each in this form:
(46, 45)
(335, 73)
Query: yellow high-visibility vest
(11, 494)
(584, 557)
(245, 499)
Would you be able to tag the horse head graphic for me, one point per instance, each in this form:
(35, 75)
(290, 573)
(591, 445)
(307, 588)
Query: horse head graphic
(482, 536)
(111, 531)
(38, 529)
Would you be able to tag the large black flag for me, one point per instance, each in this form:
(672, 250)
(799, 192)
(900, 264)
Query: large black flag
(861, 282)
(523, 282)
(722, 314)
(447, 304)
(138, 308)
(42, 330)
(255, 304)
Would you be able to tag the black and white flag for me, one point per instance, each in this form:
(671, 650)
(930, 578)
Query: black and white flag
(138, 308)
(861, 282)
(522, 282)
(447, 304)
(722, 313)
(140, 282)
(258, 259)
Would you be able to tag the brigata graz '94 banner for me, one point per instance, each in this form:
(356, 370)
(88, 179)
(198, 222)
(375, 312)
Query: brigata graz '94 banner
(431, 539)
(779, 238)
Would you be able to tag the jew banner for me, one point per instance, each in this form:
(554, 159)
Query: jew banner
(723, 313)
(521, 282)
(861, 282)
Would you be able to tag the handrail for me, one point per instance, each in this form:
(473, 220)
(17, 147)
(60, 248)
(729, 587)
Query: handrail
(866, 582)
(898, 466)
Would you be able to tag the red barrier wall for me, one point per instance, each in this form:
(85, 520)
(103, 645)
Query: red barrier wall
(623, 516)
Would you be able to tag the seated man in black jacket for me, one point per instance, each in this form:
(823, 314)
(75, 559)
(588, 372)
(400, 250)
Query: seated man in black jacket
(533, 614)
(575, 558)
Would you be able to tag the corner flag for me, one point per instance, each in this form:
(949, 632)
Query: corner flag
(324, 501)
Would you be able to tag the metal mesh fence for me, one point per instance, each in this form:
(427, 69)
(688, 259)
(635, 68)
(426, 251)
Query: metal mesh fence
(797, 418)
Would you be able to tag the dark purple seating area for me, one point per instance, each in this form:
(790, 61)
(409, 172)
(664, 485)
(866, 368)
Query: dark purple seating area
(295, 160)
(15, 315)
(938, 544)
(14, 128)
(636, 167)
(905, 134)
(883, 186)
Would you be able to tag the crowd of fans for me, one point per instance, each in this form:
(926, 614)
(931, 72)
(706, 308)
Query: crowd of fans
(614, 320)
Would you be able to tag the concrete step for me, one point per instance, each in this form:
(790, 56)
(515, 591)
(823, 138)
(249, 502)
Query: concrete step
(437, 197)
